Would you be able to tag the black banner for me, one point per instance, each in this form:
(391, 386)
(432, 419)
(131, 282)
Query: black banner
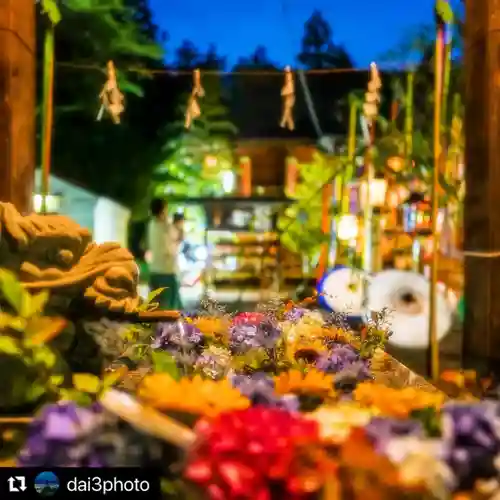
(64, 483)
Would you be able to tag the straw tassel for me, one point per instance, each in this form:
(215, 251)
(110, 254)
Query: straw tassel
(288, 95)
(193, 110)
(111, 97)
(372, 97)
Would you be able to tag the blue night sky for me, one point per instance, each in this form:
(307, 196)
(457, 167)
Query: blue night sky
(367, 28)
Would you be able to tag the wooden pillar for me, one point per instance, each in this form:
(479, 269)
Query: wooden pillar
(481, 343)
(17, 102)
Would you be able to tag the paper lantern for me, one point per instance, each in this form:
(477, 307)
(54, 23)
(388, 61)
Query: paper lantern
(377, 194)
(292, 172)
(347, 228)
(396, 163)
(52, 203)
(246, 176)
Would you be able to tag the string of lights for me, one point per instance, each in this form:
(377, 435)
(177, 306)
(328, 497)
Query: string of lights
(175, 72)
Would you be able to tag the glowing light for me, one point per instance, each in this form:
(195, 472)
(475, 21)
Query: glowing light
(395, 163)
(52, 203)
(378, 190)
(228, 181)
(347, 228)
(201, 253)
(211, 161)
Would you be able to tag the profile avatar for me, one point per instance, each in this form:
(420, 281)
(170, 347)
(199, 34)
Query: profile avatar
(46, 484)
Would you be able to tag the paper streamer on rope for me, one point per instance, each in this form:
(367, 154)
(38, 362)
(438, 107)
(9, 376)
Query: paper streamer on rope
(341, 290)
(405, 295)
(111, 97)
(288, 96)
(193, 110)
(372, 96)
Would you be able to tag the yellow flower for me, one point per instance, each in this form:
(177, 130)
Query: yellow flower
(197, 396)
(295, 331)
(212, 326)
(398, 403)
(314, 383)
(304, 348)
(335, 334)
(336, 421)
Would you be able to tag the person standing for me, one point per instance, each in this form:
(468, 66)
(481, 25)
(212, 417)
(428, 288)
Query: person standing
(164, 241)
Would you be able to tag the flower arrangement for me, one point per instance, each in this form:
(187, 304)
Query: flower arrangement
(280, 404)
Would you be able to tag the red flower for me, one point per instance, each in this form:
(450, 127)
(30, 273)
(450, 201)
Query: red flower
(249, 317)
(242, 454)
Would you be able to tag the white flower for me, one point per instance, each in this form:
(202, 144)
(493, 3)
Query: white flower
(313, 318)
(420, 462)
(399, 449)
(336, 422)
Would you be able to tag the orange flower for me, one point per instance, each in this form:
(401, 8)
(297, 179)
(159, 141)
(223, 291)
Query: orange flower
(196, 396)
(371, 475)
(398, 403)
(311, 383)
(460, 378)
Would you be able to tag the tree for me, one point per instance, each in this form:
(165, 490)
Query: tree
(259, 59)
(111, 160)
(195, 158)
(300, 224)
(318, 49)
(255, 100)
(186, 56)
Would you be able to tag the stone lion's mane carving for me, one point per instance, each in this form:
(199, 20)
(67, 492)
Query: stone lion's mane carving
(53, 252)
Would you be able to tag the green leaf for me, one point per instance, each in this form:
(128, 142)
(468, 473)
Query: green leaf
(44, 356)
(10, 346)
(86, 382)
(113, 378)
(56, 380)
(42, 330)
(50, 8)
(35, 305)
(17, 323)
(81, 398)
(444, 11)
(35, 392)
(152, 295)
(12, 290)
(6, 320)
(163, 362)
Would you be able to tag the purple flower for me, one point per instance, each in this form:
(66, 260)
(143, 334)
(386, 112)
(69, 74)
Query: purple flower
(67, 435)
(471, 441)
(178, 335)
(248, 335)
(337, 359)
(295, 314)
(259, 388)
(347, 379)
(213, 362)
(57, 436)
(381, 430)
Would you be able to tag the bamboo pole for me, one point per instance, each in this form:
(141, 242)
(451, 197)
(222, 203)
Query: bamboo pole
(53, 14)
(410, 84)
(48, 103)
(326, 202)
(351, 153)
(438, 95)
